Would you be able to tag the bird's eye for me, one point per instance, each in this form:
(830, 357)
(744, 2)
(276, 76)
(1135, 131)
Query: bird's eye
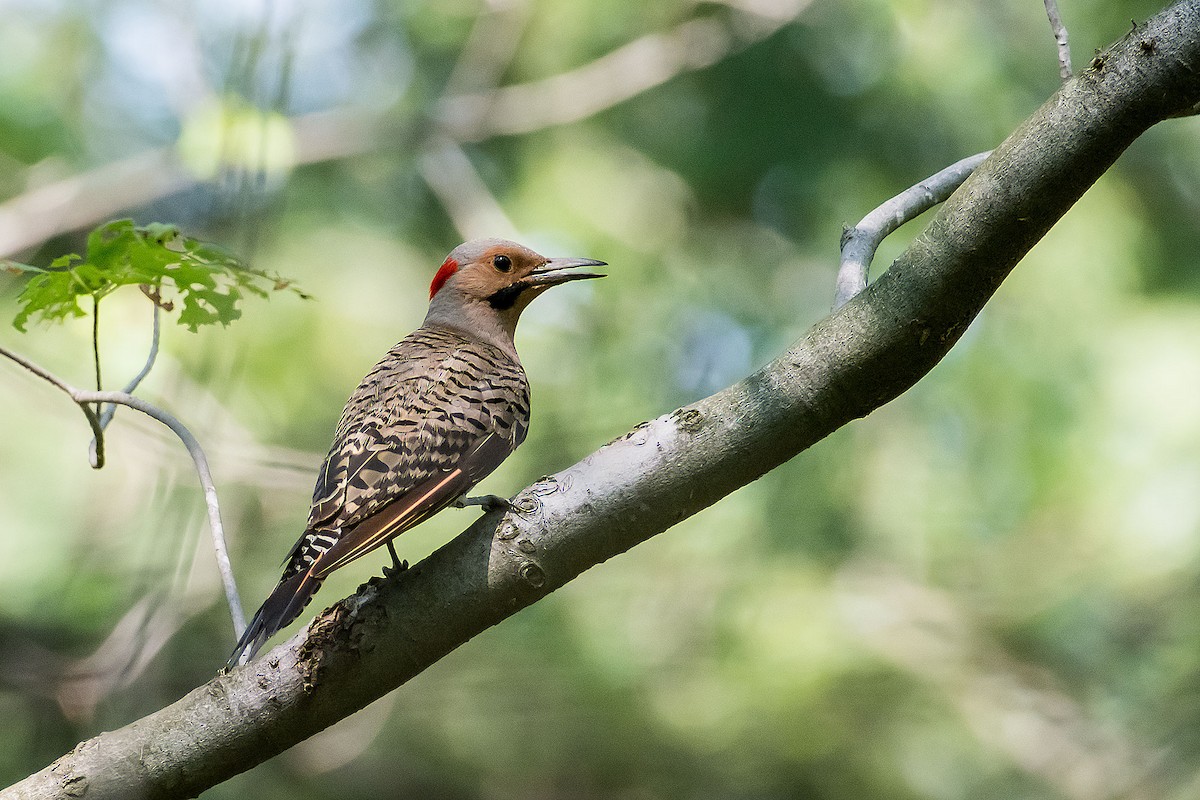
(502, 263)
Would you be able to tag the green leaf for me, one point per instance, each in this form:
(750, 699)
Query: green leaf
(53, 296)
(207, 279)
(160, 232)
(63, 262)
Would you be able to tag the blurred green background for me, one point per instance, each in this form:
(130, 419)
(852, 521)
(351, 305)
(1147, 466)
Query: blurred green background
(988, 588)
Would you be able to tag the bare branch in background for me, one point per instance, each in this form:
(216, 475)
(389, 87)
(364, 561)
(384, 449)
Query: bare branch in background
(444, 165)
(80, 201)
(463, 194)
(609, 80)
(1060, 38)
(613, 78)
(860, 242)
(490, 47)
(83, 398)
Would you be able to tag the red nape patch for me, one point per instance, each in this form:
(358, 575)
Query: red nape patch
(448, 268)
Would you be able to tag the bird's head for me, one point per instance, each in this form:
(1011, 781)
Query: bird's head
(491, 281)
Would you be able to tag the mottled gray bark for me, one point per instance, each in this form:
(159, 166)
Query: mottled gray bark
(850, 363)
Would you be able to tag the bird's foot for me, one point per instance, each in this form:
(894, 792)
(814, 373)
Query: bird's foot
(488, 502)
(397, 566)
(395, 569)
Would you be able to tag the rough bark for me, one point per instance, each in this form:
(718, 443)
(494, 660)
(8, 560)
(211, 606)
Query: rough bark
(664, 470)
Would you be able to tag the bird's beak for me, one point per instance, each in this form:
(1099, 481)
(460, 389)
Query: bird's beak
(556, 271)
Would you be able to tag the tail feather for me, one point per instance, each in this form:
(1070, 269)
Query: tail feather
(284, 604)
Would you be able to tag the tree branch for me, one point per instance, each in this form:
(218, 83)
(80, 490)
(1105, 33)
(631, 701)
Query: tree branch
(860, 242)
(1060, 39)
(849, 364)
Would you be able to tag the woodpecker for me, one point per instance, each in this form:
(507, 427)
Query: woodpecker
(435, 416)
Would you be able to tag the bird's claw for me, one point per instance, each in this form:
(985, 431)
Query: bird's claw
(488, 502)
(397, 566)
(395, 569)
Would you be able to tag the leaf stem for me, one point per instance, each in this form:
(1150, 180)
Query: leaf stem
(96, 344)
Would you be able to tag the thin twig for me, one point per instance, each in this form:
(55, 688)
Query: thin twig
(860, 242)
(95, 342)
(95, 355)
(1060, 38)
(83, 398)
